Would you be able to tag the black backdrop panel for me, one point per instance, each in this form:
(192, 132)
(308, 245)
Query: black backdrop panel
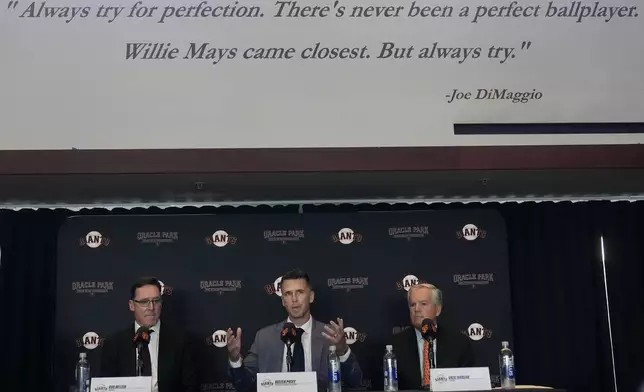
(220, 271)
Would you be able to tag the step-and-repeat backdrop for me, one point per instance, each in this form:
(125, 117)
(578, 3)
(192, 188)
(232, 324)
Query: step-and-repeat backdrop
(221, 271)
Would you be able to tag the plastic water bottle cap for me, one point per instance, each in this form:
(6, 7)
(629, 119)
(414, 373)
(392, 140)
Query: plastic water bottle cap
(389, 347)
(505, 344)
(83, 355)
(331, 348)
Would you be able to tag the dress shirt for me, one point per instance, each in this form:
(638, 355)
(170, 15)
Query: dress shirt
(153, 346)
(306, 345)
(421, 352)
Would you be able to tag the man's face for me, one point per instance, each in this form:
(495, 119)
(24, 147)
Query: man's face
(421, 306)
(297, 297)
(146, 305)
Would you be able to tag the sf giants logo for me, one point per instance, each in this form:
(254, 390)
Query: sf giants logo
(471, 232)
(93, 240)
(90, 341)
(347, 236)
(407, 282)
(221, 238)
(351, 335)
(275, 288)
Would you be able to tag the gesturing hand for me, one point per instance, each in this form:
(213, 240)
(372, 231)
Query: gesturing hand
(234, 344)
(335, 335)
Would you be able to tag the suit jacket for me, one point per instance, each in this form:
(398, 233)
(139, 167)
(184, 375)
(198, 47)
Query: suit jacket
(453, 350)
(267, 354)
(176, 370)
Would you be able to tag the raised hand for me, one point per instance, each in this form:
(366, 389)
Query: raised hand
(234, 344)
(335, 335)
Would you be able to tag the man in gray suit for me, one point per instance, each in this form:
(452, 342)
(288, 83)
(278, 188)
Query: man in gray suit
(268, 353)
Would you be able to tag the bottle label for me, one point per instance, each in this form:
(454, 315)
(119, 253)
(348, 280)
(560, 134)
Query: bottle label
(334, 376)
(508, 368)
(391, 370)
(84, 379)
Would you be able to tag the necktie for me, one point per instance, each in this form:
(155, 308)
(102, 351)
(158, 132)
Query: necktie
(298, 353)
(147, 361)
(426, 364)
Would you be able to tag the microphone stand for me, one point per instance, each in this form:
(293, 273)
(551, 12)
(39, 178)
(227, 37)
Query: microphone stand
(289, 357)
(139, 360)
(432, 357)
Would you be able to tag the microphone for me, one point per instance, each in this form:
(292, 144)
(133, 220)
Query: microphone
(142, 336)
(289, 333)
(428, 330)
(288, 336)
(141, 339)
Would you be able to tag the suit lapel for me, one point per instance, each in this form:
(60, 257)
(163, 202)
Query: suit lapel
(165, 357)
(414, 370)
(129, 348)
(274, 359)
(317, 345)
(444, 355)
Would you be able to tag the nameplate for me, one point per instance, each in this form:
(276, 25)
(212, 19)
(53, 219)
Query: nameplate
(461, 379)
(287, 382)
(121, 384)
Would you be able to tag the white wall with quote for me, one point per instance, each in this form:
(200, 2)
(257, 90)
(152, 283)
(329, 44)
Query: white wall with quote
(314, 73)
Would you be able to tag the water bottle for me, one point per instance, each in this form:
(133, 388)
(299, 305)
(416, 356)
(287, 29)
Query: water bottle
(506, 364)
(390, 366)
(82, 373)
(335, 378)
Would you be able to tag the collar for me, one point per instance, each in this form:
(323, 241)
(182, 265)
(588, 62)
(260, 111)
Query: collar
(419, 336)
(307, 326)
(156, 327)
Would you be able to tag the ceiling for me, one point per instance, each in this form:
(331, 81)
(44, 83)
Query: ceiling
(180, 177)
(222, 188)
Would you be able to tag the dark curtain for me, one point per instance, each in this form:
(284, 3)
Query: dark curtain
(623, 232)
(27, 302)
(558, 301)
(559, 308)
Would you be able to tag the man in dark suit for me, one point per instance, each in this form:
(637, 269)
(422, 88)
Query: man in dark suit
(449, 349)
(167, 358)
(268, 353)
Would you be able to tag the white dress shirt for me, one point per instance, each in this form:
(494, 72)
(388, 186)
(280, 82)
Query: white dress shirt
(306, 345)
(421, 353)
(153, 346)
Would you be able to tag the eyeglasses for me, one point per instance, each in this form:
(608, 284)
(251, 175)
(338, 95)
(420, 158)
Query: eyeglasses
(148, 301)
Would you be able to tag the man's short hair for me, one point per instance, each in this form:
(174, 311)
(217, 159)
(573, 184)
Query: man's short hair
(437, 294)
(145, 281)
(296, 274)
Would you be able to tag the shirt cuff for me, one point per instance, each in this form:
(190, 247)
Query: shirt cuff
(236, 364)
(343, 358)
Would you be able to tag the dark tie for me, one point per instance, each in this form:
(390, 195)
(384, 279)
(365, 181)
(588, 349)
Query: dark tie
(298, 353)
(147, 361)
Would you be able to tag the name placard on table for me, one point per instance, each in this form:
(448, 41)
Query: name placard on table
(121, 384)
(287, 382)
(461, 379)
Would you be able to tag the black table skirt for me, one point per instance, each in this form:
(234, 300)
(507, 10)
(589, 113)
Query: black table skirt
(502, 390)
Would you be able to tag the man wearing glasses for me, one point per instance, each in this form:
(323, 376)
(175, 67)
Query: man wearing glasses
(167, 358)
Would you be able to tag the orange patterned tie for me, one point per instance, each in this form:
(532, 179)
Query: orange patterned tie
(426, 364)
